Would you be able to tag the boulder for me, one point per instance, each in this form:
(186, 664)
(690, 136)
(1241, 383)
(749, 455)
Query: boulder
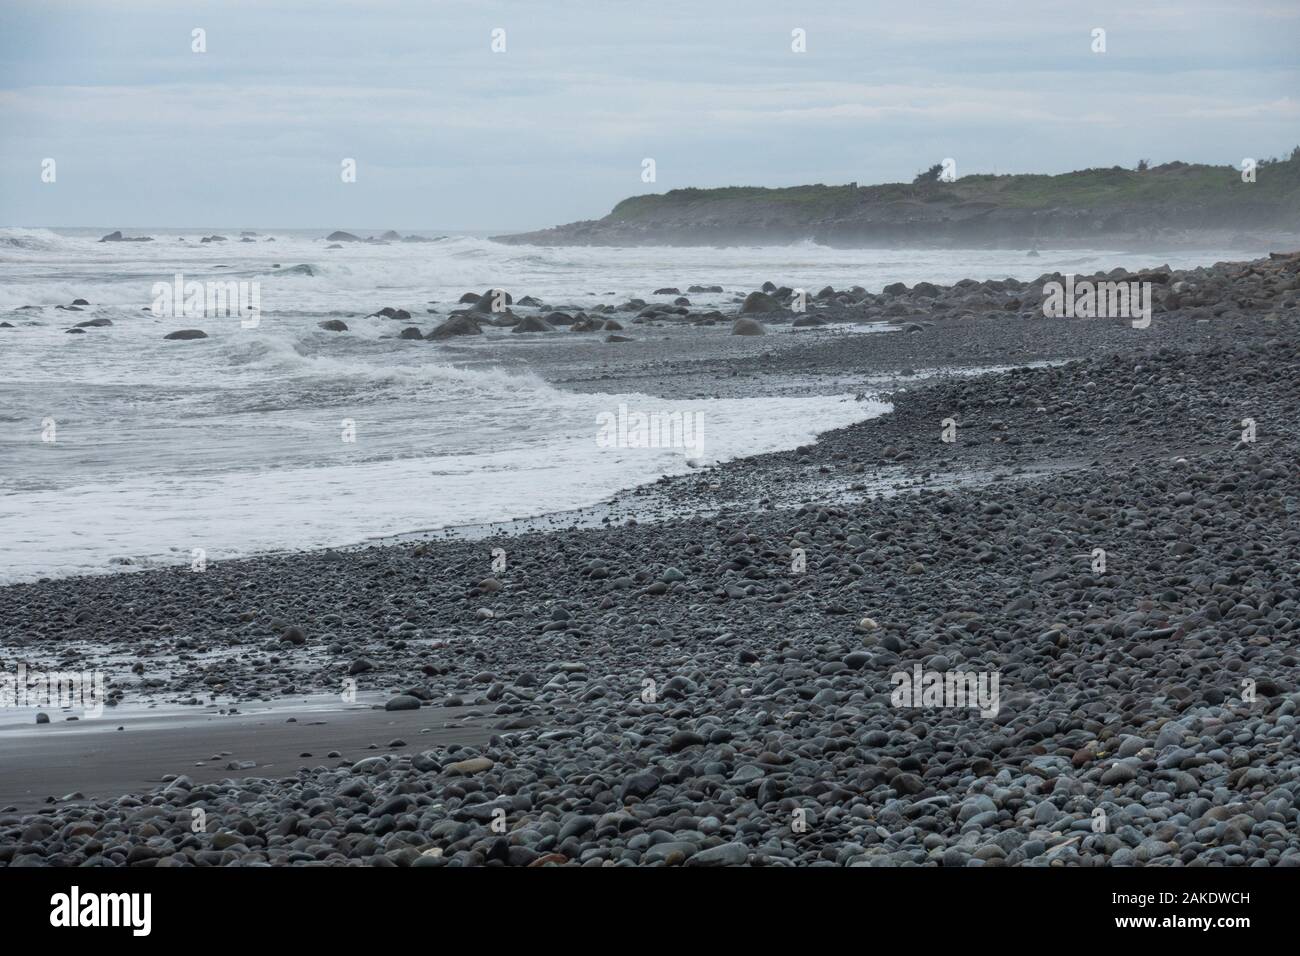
(748, 327)
(490, 298)
(456, 325)
(533, 323)
(93, 324)
(807, 321)
(342, 237)
(468, 767)
(183, 334)
(116, 236)
(333, 325)
(759, 302)
(410, 332)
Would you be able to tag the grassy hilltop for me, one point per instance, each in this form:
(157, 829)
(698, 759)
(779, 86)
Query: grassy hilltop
(982, 208)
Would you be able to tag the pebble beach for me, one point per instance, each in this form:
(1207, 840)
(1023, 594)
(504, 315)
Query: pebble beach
(702, 671)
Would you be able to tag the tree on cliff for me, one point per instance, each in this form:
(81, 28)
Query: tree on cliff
(930, 175)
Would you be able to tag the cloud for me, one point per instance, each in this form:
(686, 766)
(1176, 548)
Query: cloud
(555, 128)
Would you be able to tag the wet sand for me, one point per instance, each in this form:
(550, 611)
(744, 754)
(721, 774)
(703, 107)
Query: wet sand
(102, 758)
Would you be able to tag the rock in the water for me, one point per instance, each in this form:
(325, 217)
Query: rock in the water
(116, 236)
(186, 334)
(532, 323)
(456, 325)
(759, 302)
(493, 300)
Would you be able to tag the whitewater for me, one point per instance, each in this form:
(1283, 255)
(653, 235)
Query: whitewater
(120, 450)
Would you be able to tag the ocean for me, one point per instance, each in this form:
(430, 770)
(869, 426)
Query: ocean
(120, 450)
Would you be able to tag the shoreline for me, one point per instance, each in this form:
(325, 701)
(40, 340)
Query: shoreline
(771, 686)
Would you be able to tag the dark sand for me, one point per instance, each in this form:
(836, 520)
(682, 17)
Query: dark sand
(121, 753)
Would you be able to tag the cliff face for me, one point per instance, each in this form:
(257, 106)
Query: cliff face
(1170, 202)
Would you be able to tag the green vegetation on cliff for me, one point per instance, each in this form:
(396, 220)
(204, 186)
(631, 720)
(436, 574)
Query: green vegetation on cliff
(1183, 184)
(1173, 202)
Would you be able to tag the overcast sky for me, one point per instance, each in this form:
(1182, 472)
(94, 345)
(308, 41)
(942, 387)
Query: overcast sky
(449, 135)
